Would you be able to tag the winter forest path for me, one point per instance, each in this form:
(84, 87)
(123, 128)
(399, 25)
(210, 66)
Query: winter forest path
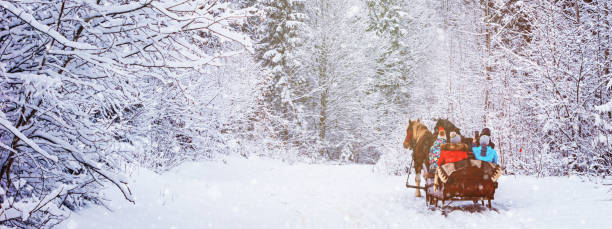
(262, 193)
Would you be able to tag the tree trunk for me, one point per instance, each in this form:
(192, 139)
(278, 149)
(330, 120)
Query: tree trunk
(487, 19)
(323, 114)
(324, 84)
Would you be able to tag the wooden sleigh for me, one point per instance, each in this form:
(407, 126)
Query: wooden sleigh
(466, 180)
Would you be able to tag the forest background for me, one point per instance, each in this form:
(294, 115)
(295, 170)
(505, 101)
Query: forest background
(90, 87)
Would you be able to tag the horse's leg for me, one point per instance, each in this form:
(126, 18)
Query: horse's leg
(421, 158)
(417, 176)
(417, 180)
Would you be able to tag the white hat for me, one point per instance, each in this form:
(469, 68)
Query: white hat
(484, 140)
(455, 138)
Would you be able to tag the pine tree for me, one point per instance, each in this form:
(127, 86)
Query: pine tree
(281, 36)
(394, 71)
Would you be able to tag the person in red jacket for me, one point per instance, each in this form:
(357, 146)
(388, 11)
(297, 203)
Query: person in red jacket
(453, 152)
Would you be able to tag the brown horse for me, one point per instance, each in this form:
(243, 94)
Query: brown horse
(419, 139)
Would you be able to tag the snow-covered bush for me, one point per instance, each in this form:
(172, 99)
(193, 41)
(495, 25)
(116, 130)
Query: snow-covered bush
(393, 162)
(86, 85)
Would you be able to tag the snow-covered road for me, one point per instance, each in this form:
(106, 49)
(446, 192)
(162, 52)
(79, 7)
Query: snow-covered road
(262, 193)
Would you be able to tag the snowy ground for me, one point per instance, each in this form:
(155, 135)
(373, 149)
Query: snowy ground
(262, 193)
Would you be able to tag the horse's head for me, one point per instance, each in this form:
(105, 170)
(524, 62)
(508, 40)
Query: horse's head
(448, 127)
(410, 131)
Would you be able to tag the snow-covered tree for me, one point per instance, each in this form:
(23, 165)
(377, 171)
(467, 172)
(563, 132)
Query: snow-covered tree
(339, 66)
(281, 36)
(542, 78)
(395, 73)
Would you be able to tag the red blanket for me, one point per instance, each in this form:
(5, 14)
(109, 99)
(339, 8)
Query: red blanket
(452, 153)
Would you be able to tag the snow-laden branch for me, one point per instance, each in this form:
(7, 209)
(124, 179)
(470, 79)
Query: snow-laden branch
(28, 18)
(7, 147)
(25, 208)
(119, 181)
(93, 59)
(606, 107)
(163, 10)
(21, 136)
(114, 10)
(207, 60)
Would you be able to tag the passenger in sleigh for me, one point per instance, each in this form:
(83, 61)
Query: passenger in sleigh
(474, 143)
(453, 152)
(484, 151)
(487, 132)
(434, 151)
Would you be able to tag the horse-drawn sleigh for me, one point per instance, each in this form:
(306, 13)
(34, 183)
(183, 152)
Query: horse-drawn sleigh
(464, 180)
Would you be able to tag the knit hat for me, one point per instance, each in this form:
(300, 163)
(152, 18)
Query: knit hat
(484, 140)
(441, 132)
(455, 138)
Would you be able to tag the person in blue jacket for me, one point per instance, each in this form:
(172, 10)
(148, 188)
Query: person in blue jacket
(485, 152)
